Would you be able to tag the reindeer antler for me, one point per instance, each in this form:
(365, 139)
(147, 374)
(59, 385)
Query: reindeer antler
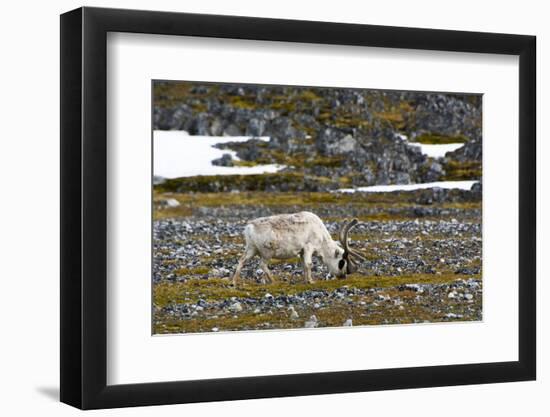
(341, 234)
(344, 233)
(350, 253)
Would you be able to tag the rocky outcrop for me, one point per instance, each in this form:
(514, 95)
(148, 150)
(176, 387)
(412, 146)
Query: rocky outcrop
(445, 114)
(347, 136)
(471, 151)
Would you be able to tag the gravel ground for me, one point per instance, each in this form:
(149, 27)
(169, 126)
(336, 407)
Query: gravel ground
(418, 270)
(396, 247)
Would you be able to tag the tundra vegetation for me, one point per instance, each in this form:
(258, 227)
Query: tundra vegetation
(422, 248)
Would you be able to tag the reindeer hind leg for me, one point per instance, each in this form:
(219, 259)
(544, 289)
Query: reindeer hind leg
(248, 254)
(265, 268)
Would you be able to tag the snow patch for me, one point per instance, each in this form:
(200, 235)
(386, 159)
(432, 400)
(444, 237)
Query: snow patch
(461, 185)
(178, 154)
(437, 151)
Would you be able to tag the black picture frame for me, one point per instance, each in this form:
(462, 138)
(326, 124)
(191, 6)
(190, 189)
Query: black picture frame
(84, 207)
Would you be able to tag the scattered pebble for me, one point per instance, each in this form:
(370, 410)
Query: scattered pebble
(311, 323)
(236, 307)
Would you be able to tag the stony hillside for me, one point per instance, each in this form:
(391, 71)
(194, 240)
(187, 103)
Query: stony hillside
(327, 137)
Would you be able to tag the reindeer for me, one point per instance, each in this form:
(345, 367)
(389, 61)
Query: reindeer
(286, 236)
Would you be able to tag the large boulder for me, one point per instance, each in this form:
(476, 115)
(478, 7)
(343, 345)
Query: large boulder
(332, 142)
(255, 127)
(471, 151)
(433, 171)
(177, 118)
(232, 130)
(200, 125)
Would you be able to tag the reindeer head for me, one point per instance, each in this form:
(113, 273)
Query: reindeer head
(348, 261)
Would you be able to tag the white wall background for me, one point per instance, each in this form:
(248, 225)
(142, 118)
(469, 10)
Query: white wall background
(29, 296)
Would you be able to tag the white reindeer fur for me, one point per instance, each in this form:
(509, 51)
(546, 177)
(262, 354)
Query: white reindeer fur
(287, 236)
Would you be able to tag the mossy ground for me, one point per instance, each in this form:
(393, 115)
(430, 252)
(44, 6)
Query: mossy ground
(438, 139)
(363, 310)
(379, 203)
(458, 171)
(214, 289)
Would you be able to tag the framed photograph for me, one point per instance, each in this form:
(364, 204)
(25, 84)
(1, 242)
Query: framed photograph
(259, 208)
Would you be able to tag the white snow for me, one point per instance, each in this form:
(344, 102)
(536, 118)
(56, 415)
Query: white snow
(437, 151)
(462, 185)
(434, 151)
(177, 154)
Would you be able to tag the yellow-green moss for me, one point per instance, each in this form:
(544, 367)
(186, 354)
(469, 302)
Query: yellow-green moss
(308, 95)
(242, 102)
(455, 170)
(438, 139)
(215, 289)
(197, 270)
(380, 202)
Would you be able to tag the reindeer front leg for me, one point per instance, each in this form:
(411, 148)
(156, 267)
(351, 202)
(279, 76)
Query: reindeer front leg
(306, 261)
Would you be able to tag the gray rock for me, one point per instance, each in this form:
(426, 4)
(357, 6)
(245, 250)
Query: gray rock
(200, 125)
(471, 151)
(232, 130)
(167, 203)
(172, 203)
(256, 127)
(281, 129)
(225, 161)
(216, 127)
(333, 141)
(402, 178)
(220, 272)
(311, 323)
(433, 171)
(236, 307)
(476, 187)
(345, 145)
